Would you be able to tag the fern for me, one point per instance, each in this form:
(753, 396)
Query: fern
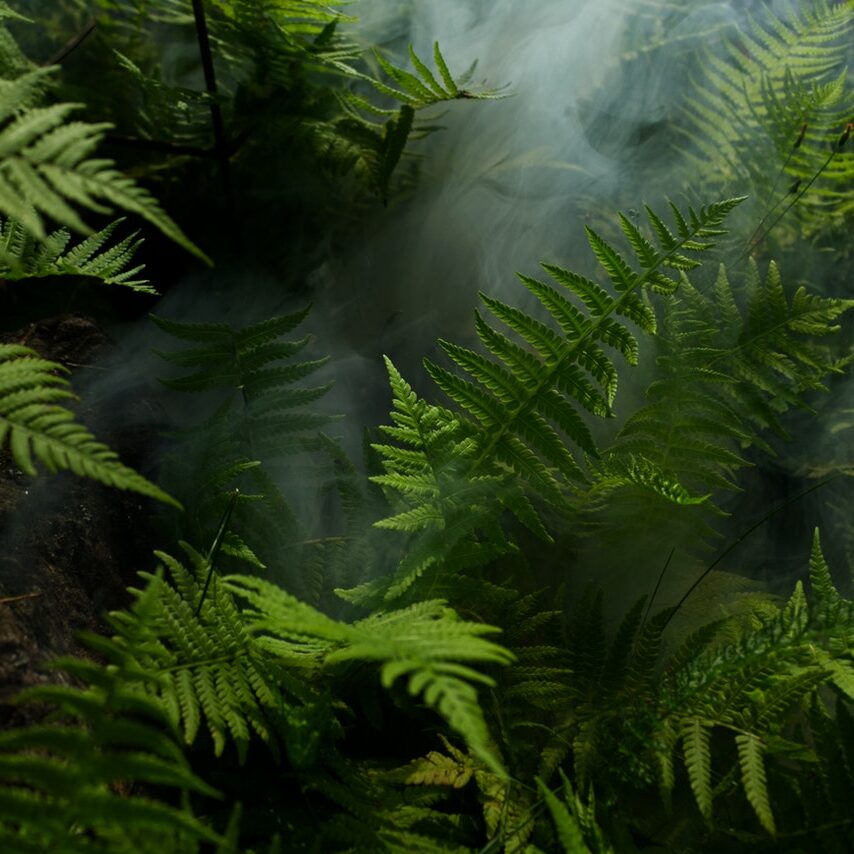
(377, 146)
(36, 427)
(207, 670)
(574, 820)
(46, 167)
(24, 257)
(521, 395)
(262, 415)
(44, 161)
(69, 786)
(524, 404)
(695, 740)
(426, 643)
(731, 363)
(777, 100)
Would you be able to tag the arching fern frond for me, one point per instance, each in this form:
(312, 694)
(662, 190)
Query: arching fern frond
(36, 427)
(45, 166)
(521, 407)
(23, 256)
(426, 642)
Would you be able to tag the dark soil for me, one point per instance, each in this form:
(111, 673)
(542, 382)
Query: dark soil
(68, 546)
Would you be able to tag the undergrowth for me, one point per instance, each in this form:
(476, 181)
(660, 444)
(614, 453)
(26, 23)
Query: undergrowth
(421, 666)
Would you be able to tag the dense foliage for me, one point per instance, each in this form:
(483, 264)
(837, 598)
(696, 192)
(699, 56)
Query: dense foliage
(423, 664)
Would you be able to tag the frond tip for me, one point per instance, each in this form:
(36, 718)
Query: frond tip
(35, 427)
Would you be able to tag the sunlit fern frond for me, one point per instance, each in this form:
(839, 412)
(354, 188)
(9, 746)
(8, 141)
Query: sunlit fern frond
(36, 427)
(427, 643)
(208, 673)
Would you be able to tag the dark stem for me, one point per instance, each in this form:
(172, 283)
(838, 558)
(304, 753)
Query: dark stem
(755, 241)
(213, 553)
(797, 144)
(72, 44)
(220, 146)
(657, 585)
(742, 537)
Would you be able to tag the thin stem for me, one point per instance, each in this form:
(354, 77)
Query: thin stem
(8, 600)
(657, 585)
(220, 145)
(741, 538)
(792, 150)
(836, 149)
(213, 553)
(798, 197)
(72, 44)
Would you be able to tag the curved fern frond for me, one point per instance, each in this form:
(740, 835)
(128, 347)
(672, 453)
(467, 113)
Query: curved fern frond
(35, 427)
(427, 643)
(45, 167)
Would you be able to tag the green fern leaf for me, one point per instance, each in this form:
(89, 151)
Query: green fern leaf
(695, 744)
(750, 757)
(45, 165)
(823, 589)
(23, 257)
(569, 831)
(425, 642)
(35, 427)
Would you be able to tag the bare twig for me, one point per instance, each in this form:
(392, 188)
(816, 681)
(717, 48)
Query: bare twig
(220, 145)
(72, 44)
(8, 600)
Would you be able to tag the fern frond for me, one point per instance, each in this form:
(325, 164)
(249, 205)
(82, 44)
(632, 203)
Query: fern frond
(45, 165)
(61, 782)
(206, 669)
(724, 379)
(750, 757)
(36, 427)
(23, 256)
(517, 416)
(695, 743)
(765, 110)
(425, 642)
